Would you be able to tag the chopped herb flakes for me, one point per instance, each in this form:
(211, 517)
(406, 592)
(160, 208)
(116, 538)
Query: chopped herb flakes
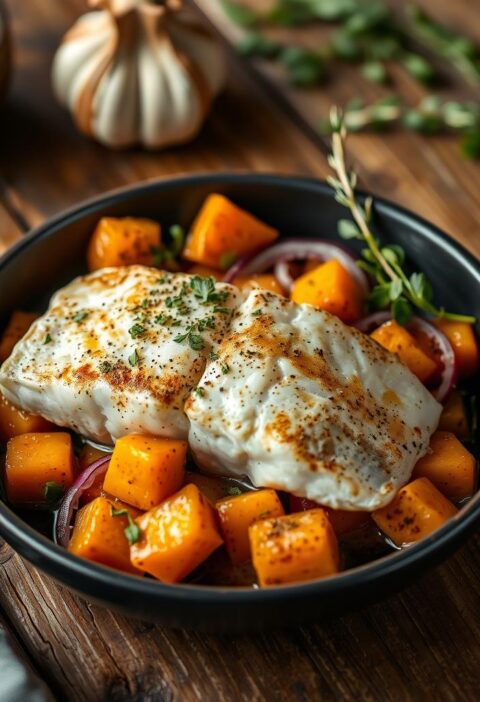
(195, 341)
(105, 367)
(136, 330)
(199, 391)
(213, 356)
(257, 313)
(225, 368)
(163, 319)
(204, 290)
(132, 531)
(47, 339)
(80, 316)
(134, 358)
(233, 491)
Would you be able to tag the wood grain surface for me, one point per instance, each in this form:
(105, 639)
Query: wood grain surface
(423, 644)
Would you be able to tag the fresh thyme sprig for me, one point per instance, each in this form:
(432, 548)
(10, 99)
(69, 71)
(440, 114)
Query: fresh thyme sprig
(461, 52)
(430, 116)
(384, 263)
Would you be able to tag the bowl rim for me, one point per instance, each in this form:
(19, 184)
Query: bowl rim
(52, 558)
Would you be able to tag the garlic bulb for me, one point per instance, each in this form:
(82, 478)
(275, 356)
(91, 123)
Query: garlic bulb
(138, 71)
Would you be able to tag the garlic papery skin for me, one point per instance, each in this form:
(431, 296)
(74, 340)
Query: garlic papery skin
(138, 71)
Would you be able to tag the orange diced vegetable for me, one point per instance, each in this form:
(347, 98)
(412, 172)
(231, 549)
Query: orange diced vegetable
(212, 487)
(222, 230)
(262, 280)
(205, 272)
(14, 421)
(36, 459)
(89, 455)
(123, 242)
(416, 511)
(449, 466)
(238, 513)
(465, 346)
(176, 536)
(342, 520)
(399, 341)
(454, 416)
(100, 536)
(144, 470)
(20, 322)
(294, 548)
(330, 287)
(310, 265)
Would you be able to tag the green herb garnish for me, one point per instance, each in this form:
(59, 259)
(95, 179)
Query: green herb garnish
(47, 339)
(80, 316)
(213, 356)
(204, 290)
(136, 330)
(195, 341)
(257, 313)
(177, 239)
(383, 263)
(53, 491)
(132, 531)
(461, 52)
(134, 358)
(225, 368)
(199, 391)
(105, 366)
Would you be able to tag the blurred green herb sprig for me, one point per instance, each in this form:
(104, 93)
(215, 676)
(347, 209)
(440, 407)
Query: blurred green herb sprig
(385, 264)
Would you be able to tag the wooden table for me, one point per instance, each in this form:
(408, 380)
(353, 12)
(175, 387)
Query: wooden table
(421, 644)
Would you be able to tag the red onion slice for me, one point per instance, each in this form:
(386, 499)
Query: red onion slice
(449, 371)
(71, 499)
(296, 250)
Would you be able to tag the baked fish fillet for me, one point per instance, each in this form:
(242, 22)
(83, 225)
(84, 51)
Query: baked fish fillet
(118, 352)
(300, 402)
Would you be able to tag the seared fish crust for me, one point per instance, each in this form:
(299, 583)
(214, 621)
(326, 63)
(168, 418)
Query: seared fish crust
(300, 402)
(108, 357)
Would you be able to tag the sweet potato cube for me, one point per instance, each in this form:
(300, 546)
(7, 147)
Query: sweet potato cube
(35, 459)
(238, 513)
(20, 322)
(145, 470)
(294, 548)
(223, 229)
(176, 536)
(464, 344)
(100, 536)
(14, 421)
(122, 242)
(343, 521)
(449, 466)
(416, 511)
(399, 341)
(454, 416)
(267, 281)
(330, 287)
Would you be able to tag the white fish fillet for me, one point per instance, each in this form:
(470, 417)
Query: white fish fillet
(296, 400)
(300, 402)
(80, 366)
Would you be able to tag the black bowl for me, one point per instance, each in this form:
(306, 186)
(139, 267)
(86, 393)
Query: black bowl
(52, 254)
